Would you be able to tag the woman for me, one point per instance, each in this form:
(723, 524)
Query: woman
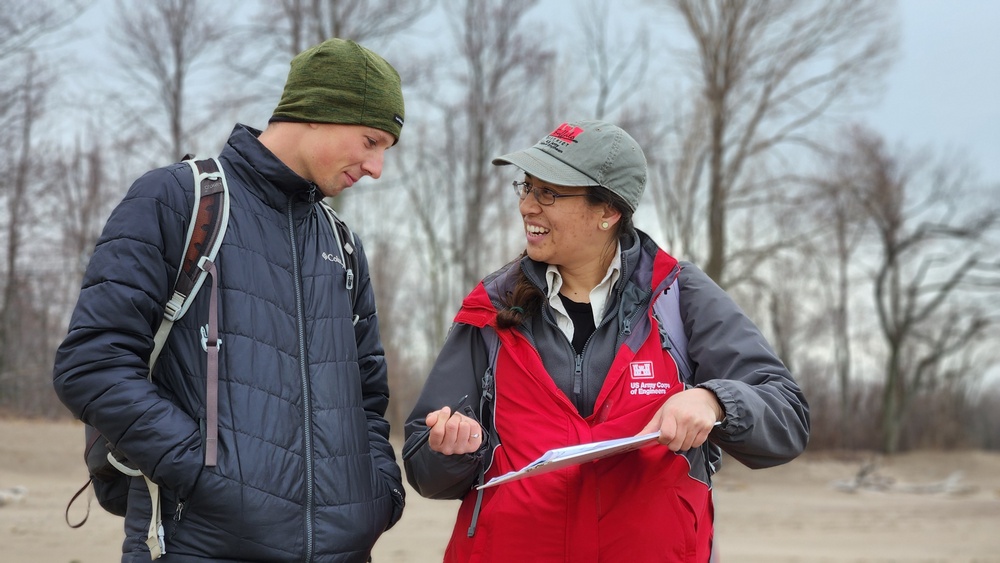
(572, 353)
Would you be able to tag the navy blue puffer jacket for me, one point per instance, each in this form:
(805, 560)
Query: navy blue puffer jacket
(305, 469)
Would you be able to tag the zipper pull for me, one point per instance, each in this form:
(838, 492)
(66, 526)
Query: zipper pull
(578, 375)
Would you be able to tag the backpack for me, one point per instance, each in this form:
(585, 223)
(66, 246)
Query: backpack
(109, 471)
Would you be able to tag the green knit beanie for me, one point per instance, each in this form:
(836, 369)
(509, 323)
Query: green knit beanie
(339, 81)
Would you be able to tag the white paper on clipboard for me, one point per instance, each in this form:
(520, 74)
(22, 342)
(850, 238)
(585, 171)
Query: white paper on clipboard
(573, 455)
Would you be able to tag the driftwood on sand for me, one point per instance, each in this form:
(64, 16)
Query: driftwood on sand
(11, 495)
(869, 478)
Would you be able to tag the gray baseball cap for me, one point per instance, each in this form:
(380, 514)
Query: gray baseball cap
(586, 153)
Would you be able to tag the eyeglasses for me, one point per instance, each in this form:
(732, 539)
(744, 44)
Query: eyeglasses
(543, 196)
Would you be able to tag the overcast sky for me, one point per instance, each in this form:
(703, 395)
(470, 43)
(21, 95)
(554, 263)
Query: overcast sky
(944, 91)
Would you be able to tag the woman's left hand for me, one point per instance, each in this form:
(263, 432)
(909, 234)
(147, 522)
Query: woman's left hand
(686, 419)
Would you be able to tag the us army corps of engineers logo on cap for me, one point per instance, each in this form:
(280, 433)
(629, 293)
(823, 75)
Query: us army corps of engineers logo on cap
(641, 375)
(561, 137)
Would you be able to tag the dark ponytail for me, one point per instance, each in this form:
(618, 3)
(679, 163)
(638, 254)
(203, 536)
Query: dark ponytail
(522, 302)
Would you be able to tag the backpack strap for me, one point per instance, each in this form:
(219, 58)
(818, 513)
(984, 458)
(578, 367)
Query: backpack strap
(486, 397)
(667, 310)
(345, 246)
(488, 384)
(207, 228)
(209, 219)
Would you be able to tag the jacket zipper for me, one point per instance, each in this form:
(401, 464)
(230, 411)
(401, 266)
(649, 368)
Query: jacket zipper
(577, 398)
(304, 375)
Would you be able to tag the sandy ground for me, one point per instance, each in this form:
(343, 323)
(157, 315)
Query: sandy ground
(791, 513)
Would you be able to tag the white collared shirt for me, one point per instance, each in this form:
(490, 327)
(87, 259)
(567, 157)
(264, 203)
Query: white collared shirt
(599, 296)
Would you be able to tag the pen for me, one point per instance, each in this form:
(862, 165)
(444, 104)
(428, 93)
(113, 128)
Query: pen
(419, 443)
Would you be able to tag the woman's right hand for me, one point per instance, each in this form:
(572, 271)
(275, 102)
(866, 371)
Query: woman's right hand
(453, 433)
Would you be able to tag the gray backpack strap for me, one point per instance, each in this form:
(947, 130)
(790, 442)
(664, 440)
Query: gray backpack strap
(206, 229)
(487, 394)
(667, 310)
(205, 233)
(486, 397)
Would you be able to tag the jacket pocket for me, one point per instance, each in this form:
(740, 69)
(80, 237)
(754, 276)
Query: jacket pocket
(384, 501)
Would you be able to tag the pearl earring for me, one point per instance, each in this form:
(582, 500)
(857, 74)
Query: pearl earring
(605, 225)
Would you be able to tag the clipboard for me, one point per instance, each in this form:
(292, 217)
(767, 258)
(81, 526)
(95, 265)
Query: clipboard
(574, 455)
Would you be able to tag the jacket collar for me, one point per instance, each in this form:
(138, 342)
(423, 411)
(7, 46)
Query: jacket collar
(630, 246)
(267, 176)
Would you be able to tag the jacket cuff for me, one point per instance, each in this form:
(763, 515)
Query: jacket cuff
(730, 408)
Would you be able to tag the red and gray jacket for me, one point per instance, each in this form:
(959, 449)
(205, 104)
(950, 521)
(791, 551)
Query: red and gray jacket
(646, 505)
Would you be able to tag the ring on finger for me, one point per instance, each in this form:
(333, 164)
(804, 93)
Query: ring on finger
(474, 436)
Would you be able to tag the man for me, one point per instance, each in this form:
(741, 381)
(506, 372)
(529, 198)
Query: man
(305, 471)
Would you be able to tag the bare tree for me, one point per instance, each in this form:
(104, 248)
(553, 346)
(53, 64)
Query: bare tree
(502, 60)
(406, 370)
(675, 176)
(24, 23)
(17, 201)
(842, 225)
(617, 72)
(82, 186)
(766, 71)
(427, 176)
(161, 46)
(302, 23)
(465, 210)
(456, 219)
(936, 271)
(26, 82)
